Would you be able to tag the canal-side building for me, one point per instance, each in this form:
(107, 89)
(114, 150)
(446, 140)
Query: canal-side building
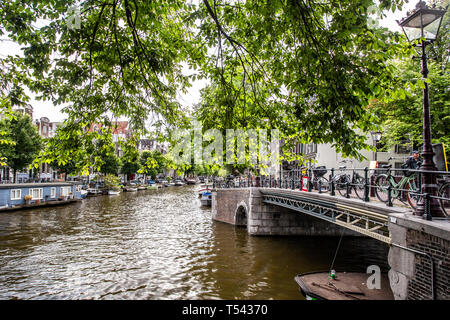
(327, 155)
(19, 194)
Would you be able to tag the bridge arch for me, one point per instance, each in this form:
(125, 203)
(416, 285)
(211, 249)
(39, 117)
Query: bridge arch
(241, 214)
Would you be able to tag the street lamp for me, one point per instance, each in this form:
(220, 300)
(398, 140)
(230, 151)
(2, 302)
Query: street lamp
(376, 136)
(422, 25)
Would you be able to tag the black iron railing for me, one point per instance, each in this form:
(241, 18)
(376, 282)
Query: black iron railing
(384, 184)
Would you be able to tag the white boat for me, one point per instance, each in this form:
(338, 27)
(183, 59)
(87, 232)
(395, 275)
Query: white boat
(83, 193)
(113, 192)
(142, 188)
(201, 191)
(130, 189)
(206, 199)
(153, 187)
(178, 182)
(92, 191)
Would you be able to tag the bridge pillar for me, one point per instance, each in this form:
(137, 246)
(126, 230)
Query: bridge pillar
(419, 257)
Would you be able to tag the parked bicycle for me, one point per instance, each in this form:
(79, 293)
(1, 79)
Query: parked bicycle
(344, 181)
(444, 192)
(409, 184)
(319, 182)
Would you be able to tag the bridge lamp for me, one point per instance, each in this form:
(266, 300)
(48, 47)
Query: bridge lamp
(423, 22)
(421, 26)
(376, 136)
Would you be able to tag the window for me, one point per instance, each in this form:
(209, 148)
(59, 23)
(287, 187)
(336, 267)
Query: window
(65, 191)
(311, 148)
(53, 192)
(16, 194)
(36, 193)
(402, 149)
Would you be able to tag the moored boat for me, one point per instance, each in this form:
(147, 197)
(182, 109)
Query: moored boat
(191, 181)
(113, 192)
(178, 183)
(200, 192)
(93, 192)
(206, 199)
(142, 188)
(342, 286)
(83, 193)
(130, 189)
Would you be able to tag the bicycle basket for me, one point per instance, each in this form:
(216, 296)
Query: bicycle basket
(406, 173)
(320, 171)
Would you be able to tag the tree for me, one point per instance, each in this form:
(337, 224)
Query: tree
(301, 65)
(111, 181)
(152, 163)
(402, 117)
(130, 164)
(65, 153)
(129, 168)
(26, 142)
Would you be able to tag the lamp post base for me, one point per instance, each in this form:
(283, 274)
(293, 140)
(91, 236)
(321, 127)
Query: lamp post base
(428, 207)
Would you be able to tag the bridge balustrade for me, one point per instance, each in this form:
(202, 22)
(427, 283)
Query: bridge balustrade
(357, 183)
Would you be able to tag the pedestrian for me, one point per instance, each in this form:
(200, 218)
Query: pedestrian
(414, 161)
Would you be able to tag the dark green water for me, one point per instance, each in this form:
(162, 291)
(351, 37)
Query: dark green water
(158, 244)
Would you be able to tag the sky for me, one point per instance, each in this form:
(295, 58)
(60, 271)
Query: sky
(47, 109)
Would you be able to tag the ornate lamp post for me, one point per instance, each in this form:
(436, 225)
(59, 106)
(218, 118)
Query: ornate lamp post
(423, 24)
(376, 136)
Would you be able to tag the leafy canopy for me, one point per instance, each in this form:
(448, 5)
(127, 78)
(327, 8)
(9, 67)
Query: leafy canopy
(306, 67)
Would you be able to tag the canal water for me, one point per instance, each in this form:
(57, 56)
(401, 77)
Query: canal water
(159, 244)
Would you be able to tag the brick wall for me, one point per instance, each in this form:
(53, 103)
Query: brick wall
(420, 286)
(225, 202)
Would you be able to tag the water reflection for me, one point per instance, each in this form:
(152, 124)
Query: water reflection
(158, 244)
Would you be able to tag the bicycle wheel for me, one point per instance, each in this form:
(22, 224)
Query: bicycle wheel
(341, 185)
(359, 186)
(444, 192)
(412, 194)
(381, 187)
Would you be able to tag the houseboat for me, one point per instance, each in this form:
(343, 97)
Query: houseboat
(29, 195)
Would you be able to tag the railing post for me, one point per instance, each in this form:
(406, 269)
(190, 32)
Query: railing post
(309, 180)
(332, 183)
(347, 193)
(427, 213)
(366, 184)
(389, 203)
(320, 186)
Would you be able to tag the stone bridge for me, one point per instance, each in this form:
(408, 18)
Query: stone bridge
(419, 249)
